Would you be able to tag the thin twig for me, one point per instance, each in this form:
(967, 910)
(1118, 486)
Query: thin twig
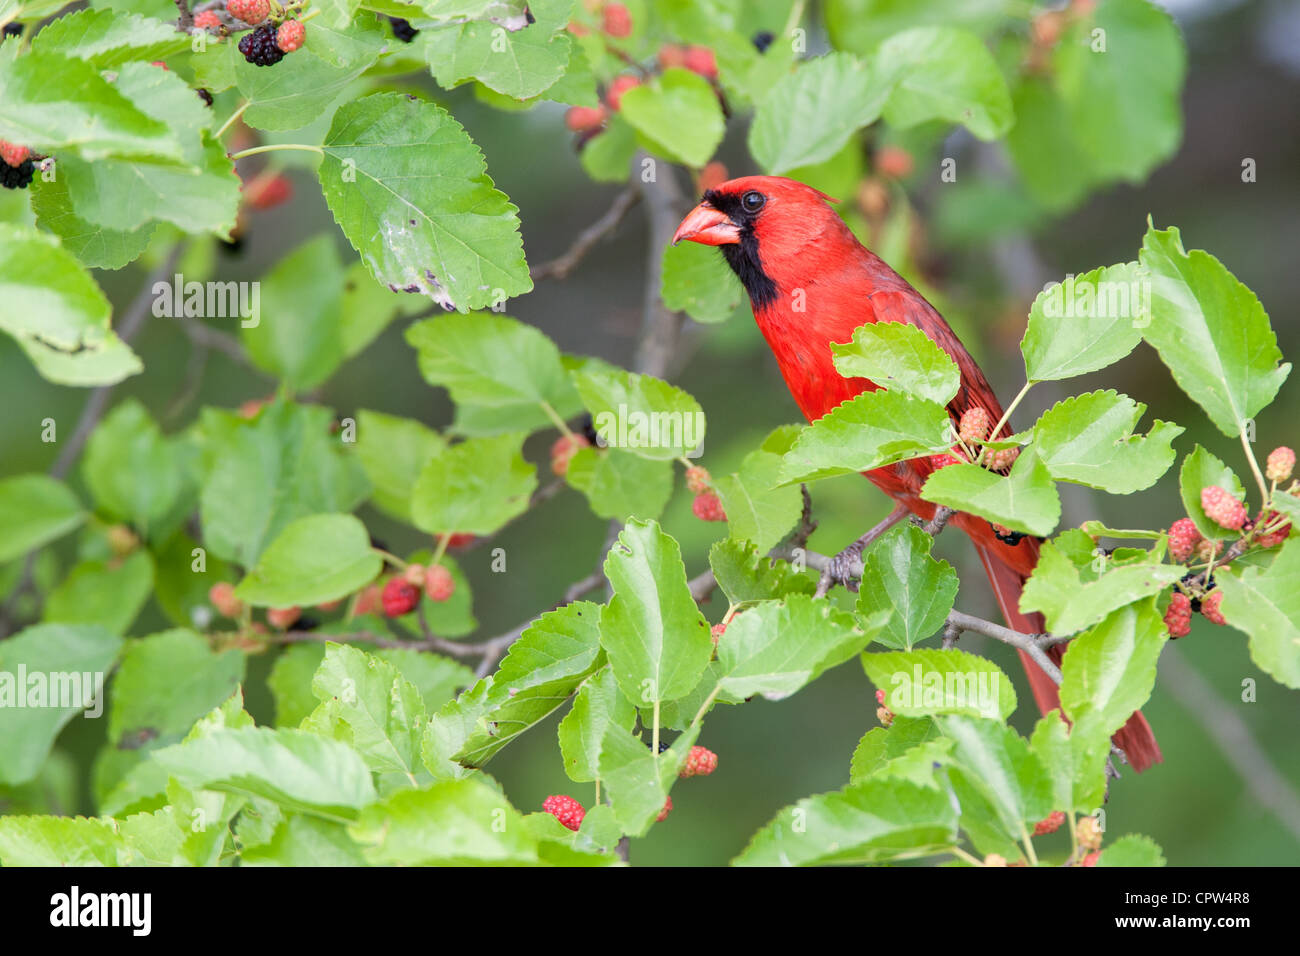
(561, 266)
(1025, 642)
(939, 521)
(660, 328)
(186, 21)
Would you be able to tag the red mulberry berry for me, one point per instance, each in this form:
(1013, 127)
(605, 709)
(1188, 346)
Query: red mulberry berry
(621, 84)
(1091, 859)
(943, 461)
(717, 631)
(616, 21)
(895, 163)
(400, 597)
(708, 507)
(222, 597)
(251, 12)
(1277, 535)
(1222, 508)
(1088, 833)
(1280, 463)
(700, 762)
(975, 426)
(1183, 539)
(459, 540)
(562, 452)
(207, 20)
(697, 479)
(1210, 607)
(283, 618)
(290, 35)
(1050, 824)
(1002, 459)
(565, 809)
(439, 584)
(663, 814)
(581, 119)
(1178, 616)
(700, 59)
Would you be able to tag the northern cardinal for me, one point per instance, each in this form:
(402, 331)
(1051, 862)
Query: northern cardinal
(780, 237)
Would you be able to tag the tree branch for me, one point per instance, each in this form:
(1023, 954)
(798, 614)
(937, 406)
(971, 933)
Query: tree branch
(186, 21)
(561, 266)
(660, 328)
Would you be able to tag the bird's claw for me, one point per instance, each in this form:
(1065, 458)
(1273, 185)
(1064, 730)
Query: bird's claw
(840, 570)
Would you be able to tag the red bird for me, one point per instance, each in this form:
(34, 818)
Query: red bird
(780, 236)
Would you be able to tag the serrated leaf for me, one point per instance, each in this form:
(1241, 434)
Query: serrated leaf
(899, 573)
(28, 732)
(97, 247)
(678, 114)
(1211, 331)
(746, 575)
(132, 471)
(809, 114)
(1088, 439)
(1109, 670)
(619, 484)
(867, 822)
(757, 509)
(657, 640)
(778, 647)
(517, 63)
(298, 770)
(608, 157)
(35, 510)
(698, 281)
(1075, 764)
(109, 38)
(640, 413)
(1200, 470)
(393, 451)
(542, 670)
(899, 357)
(455, 823)
(476, 486)
(637, 779)
(1132, 850)
(410, 191)
(1086, 322)
(59, 841)
(598, 706)
(872, 429)
(907, 749)
(109, 593)
(315, 559)
(494, 361)
(305, 841)
(56, 312)
(1265, 603)
(997, 762)
(920, 683)
(944, 73)
(1024, 501)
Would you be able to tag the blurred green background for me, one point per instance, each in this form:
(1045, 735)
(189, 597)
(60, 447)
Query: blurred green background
(981, 263)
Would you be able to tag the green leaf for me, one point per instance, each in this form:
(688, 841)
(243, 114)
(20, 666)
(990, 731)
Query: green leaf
(456, 823)
(861, 25)
(608, 157)
(1265, 603)
(678, 114)
(60, 105)
(640, 413)
(637, 779)
(543, 668)
(598, 706)
(261, 476)
(165, 683)
(657, 640)
(899, 357)
(778, 647)
(494, 361)
(997, 763)
(757, 510)
(108, 38)
(1074, 594)
(476, 486)
(305, 841)
(1132, 850)
(410, 191)
(1088, 439)
(57, 659)
(1109, 671)
(868, 822)
(809, 114)
(393, 451)
(870, 430)
(56, 312)
(97, 247)
(618, 484)
(106, 593)
(919, 683)
(1211, 331)
(899, 573)
(316, 559)
(301, 341)
(1200, 470)
(1046, 147)
(298, 770)
(698, 281)
(368, 308)
(1086, 322)
(746, 575)
(374, 709)
(290, 683)
(1122, 100)
(943, 73)
(1075, 764)
(132, 471)
(881, 746)
(517, 63)
(1024, 501)
(59, 841)
(35, 510)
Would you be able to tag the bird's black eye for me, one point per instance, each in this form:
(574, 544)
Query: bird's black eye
(752, 201)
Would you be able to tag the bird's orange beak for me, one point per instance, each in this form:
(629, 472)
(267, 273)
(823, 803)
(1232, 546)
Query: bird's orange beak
(707, 226)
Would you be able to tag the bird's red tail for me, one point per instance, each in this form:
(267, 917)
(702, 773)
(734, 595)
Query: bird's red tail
(1135, 737)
